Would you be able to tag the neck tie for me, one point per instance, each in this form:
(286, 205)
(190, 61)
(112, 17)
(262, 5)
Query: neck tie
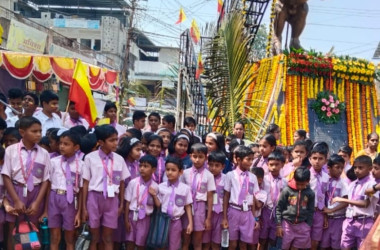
(171, 201)
(29, 169)
(320, 202)
(105, 177)
(218, 206)
(243, 190)
(69, 184)
(194, 189)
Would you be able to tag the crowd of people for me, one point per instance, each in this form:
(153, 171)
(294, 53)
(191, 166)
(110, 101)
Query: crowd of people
(200, 186)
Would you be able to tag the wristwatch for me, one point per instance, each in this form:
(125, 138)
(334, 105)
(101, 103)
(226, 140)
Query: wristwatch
(374, 188)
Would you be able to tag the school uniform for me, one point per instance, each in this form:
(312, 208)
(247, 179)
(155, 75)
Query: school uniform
(66, 180)
(200, 181)
(332, 235)
(141, 205)
(48, 122)
(358, 221)
(318, 183)
(158, 175)
(273, 187)
(27, 169)
(215, 234)
(262, 163)
(104, 173)
(69, 122)
(288, 171)
(133, 168)
(242, 186)
(119, 128)
(261, 196)
(2, 211)
(174, 197)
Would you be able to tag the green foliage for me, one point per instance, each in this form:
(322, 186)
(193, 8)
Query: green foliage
(328, 107)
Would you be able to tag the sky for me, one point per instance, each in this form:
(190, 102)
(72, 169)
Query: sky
(352, 27)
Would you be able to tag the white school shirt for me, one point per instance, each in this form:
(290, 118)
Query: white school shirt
(119, 128)
(12, 163)
(219, 189)
(269, 185)
(131, 194)
(205, 181)
(262, 196)
(336, 188)
(232, 185)
(48, 122)
(93, 170)
(182, 197)
(324, 182)
(69, 123)
(359, 186)
(58, 177)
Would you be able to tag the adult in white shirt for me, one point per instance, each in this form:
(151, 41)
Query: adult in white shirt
(47, 116)
(110, 111)
(72, 118)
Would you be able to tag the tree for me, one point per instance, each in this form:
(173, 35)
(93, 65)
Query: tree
(259, 44)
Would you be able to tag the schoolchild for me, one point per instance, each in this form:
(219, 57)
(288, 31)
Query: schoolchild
(215, 142)
(110, 111)
(299, 154)
(361, 208)
(239, 200)
(273, 185)
(139, 119)
(166, 136)
(2, 195)
(72, 118)
(168, 122)
(260, 199)
(376, 169)
(180, 147)
(140, 203)
(47, 116)
(155, 145)
(294, 211)
(190, 124)
(11, 136)
(346, 151)
(212, 238)
(64, 203)
(144, 140)
(202, 184)
(154, 121)
(26, 173)
(15, 97)
(335, 212)
(53, 142)
(175, 200)
(104, 173)
(266, 145)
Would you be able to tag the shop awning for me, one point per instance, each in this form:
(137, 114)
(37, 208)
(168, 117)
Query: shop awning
(42, 67)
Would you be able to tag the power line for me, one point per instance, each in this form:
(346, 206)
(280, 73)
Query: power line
(344, 26)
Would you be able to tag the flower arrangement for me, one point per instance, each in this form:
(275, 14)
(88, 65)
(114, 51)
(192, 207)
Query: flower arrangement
(328, 107)
(354, 70)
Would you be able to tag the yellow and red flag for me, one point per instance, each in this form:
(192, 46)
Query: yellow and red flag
(220, 5)
(200, 67)
(194, 32)
(182, 16)
(80, 93)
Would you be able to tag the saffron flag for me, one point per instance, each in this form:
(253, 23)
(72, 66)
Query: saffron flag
(182, 16)
(194, 32)
(220, 5)
(80, 93)
(200, 67)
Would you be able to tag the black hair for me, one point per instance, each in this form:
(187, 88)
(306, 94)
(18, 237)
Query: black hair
(146, 135)
(364, 159)
(302, 174)
(242, 151)
(270, 139)
(321, 148)
(15, 93)
(34, 96)
(4, 99)
(335, 159)
(220, 141)
(155, 114)
(234, 144)
(47, 96)
(351, 174)
(272, 128)
(276, 155)
(13, 132)
(151, 160)
(309, 144)
(177, 137)
(169, 119)
(217, 156)
(80, 130)
(199, 148)
(253, 145)
(241, 123)
(189, 120)
(300, 144)
(126, 145)
(376, 160)
(155, 137)
(301, 133)
(174, 160)
(259, 172)
(28, 121)
(44, 141)
(104, 132)
(87, 143)
(54, 134)
(346, 149)
(73, 137)
(230, 137)
(109, 105)
(135, 133)
(137, 115)
(3, 124)
(371, 134)
(2, 153)
(49, 131)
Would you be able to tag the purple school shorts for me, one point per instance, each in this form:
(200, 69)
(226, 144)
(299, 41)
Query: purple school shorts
(60, 212)
(240, 225)
(296, 235)
(215, 234)
(332, 235)
(119, 234)
(317, 227)
(102, 211)
(139, 230)
(175, 230)
(199, 217)
(31, 197)
(268, 225)
(355, 231)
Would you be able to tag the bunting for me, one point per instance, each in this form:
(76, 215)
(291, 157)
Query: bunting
(182, 16)
(220, 6)
(200, 67)
(194, 32)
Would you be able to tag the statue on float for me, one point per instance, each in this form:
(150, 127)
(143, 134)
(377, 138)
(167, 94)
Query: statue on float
(294, 12)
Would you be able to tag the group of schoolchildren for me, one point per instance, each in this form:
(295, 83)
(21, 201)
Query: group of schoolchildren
(114, 179)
